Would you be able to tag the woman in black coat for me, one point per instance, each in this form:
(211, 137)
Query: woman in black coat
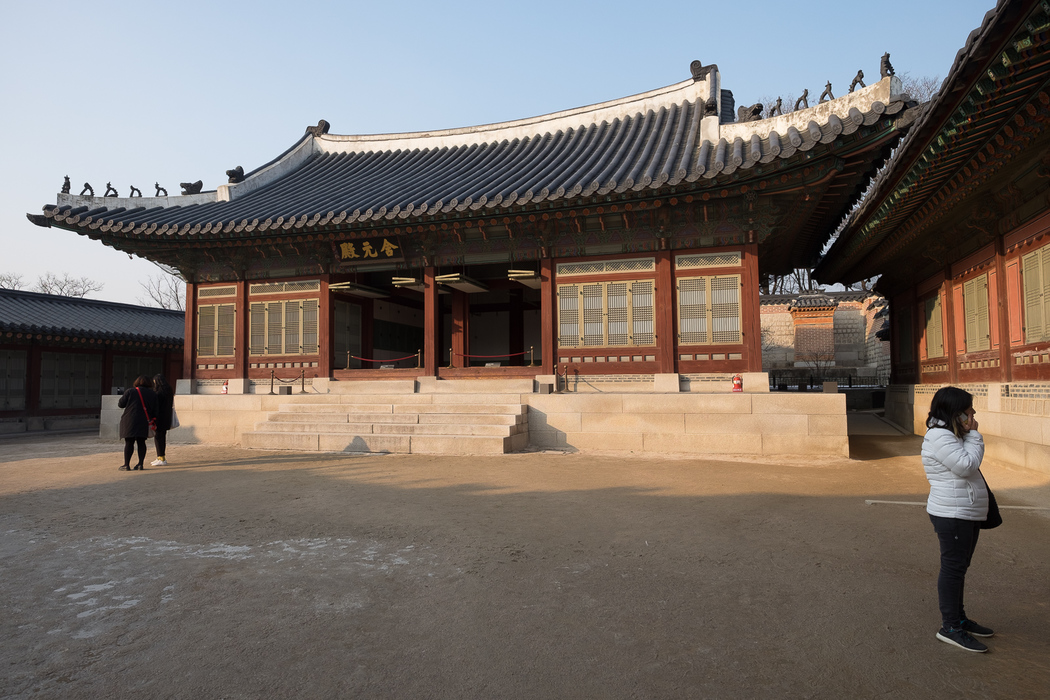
(165, 404)
(140, 407)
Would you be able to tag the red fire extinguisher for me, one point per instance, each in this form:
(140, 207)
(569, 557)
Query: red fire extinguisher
(226, 386)
(738, 383)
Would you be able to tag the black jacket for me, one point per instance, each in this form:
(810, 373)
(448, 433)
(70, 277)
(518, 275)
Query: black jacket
(133, 424)
(165, 401)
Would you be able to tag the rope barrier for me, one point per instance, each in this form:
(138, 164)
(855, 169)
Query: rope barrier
(509, 354)
(302, 376)
(392, 359)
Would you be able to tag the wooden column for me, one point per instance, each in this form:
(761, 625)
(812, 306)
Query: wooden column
(516, 330)
(547, 316)
(1006, 368)
(242, 319)
(751, 309)
(948, 300)
(325, 337)
(431, 327)
(460, 328)
(189, 347)
(663, 308)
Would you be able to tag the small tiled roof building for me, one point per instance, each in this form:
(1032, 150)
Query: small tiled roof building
(59, 355)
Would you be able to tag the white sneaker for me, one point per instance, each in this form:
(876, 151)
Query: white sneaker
(158, 463)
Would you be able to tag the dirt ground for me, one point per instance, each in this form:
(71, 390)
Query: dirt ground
(243, 574)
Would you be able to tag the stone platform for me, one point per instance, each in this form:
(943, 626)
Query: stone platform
(495, 416)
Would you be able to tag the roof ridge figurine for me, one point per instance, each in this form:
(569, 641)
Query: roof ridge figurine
(236, 175)
(159, 190)
(192, 187)
(321, 128)
(884, 66)
(65, 186)
(110, 189)
(826, 95)
(803, 100)
(87, 188)
(858, 80)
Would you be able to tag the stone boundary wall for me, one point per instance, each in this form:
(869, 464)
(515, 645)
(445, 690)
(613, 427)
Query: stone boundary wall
(1016, 429)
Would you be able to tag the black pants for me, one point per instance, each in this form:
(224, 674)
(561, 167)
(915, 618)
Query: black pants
(160, 439)
(129, 447)
(958, 539)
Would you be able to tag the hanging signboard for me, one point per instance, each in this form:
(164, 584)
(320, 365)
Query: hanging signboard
(368, 249)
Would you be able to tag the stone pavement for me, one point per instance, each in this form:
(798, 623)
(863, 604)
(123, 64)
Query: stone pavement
(243, 574)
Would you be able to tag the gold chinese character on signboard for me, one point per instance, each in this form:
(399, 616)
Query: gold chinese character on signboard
(349, 251)
(388, 248)
(366, 250)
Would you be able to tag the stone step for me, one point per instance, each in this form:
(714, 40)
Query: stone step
(335, 408)
(518, 385)
(508, 409)
(475, 418)
(391, 386)
(340, 417)
(391, 428)
(326, 442)
(418, 444)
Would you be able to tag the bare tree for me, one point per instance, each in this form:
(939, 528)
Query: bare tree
(921, 88)
(66, 285)
(165, 290)
(11, 280)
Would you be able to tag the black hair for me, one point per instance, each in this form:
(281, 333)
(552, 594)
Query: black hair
(160, 384)
(947, 404)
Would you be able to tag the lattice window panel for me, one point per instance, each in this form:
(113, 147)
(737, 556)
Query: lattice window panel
(284, 327)
(709, 310)
(1036, 280)
(70, 380)
(607, 266)
(593, 315)
(216, 327)
(731, 258)
(934, 328)
(725, 310)
(211, 292)
(692, 311)
(606, 314)
(642, 314)
(284, 287)
(569, 316)
(12, 380)
(975, 303)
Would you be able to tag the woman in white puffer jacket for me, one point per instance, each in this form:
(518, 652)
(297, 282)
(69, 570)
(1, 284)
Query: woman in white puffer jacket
(951, 455)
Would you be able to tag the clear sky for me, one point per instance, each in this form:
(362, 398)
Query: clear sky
(143, 92)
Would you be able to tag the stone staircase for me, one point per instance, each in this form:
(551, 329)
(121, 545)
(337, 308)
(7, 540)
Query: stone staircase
(356, 419)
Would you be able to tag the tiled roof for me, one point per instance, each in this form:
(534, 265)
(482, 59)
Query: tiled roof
(640, 144)
(29, 312)
(835, 297)
(998, 77)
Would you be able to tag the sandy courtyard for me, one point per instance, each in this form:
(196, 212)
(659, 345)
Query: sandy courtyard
(241, 574)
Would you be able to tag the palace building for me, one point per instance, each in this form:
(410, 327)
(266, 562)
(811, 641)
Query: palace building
(616, 247)
(957, 228)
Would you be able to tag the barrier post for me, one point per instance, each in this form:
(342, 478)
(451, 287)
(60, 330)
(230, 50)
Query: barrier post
(271, 382)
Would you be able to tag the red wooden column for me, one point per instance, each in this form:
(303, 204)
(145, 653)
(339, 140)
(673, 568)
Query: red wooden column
(189, 346)
(242, 318)
(431, 329)
(663, 307)
(325, 337)
(547, 315)
(460, 328)
(1006, 368)
(751, 310)
(948, 300)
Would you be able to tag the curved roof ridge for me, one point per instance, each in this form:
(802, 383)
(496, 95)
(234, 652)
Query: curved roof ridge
(579, 117)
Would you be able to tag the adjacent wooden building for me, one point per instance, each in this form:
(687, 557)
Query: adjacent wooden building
(957, 229)
(59, 355)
